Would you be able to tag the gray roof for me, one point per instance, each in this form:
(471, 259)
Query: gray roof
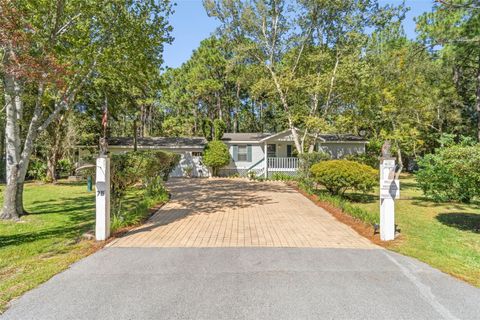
(341, 137)
(252, 136)
(200, 142)
(159, 142)
(256, 137)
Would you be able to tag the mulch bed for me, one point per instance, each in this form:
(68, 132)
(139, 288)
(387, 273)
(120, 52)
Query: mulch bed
(362, 228)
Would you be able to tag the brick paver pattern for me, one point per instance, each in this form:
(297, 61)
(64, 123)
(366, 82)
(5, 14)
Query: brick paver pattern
(240, 213)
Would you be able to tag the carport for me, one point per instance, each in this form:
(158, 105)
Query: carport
(190, 150)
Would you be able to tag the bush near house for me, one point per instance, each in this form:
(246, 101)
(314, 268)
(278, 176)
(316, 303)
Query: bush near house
(145, 169)
(216, 155)
(307, 160)
(451, 174)
(338, 176)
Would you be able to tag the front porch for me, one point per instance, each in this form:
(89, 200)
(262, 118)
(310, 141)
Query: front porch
(280, 155)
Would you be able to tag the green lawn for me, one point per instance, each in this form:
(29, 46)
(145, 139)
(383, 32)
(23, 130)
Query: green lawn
(444, 235)
(47, 241)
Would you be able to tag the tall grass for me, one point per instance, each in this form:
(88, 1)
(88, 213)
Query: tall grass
(136, 208)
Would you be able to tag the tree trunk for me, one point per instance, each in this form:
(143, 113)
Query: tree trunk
(135, 135)
(19, 201)
(10, 196)
(286, 107)
(51, 165)
(12, 143)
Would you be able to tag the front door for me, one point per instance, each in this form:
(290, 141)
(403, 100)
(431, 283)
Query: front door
(271, 150)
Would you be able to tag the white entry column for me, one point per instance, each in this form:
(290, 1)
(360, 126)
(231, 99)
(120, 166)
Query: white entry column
(389, 191)
(102, 188)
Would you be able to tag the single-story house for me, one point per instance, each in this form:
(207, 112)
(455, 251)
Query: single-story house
(263, 153)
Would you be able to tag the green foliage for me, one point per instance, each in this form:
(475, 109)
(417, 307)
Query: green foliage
(251, 175)
(219, 128)
(216, 155)
(349, 208)
(307, 160)
(340, 202)
(338, 176)
(146, 168)
(37, 170)
(178, 126)
(364, 158)
(450, 140)
(452, 173)
(60, 214)
(255, 176)
(207, 129)
(280, 176)
(65, 167)
(137, 204)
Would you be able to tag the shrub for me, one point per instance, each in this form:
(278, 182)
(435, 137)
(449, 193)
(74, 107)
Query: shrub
(281, 176)
(252, 175)
(343, 204)
(452, 173)
(37, 170)
(365, 158)
(338, 176)
(216, 155)
(65, 167)
(307, 160)
(148, 168)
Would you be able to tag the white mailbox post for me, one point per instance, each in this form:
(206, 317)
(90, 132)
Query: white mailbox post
(389, 191)
(102, 189)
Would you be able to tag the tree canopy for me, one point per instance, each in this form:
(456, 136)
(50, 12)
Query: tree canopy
(318, 66)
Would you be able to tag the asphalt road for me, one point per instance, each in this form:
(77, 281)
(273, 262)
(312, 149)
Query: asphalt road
(248, 283)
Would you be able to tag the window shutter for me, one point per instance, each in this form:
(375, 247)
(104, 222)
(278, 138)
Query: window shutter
(249, 153)
(235, 152)
(289, 150)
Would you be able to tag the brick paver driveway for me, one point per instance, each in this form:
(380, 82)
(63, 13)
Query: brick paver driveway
(240, 213)
(342, 277)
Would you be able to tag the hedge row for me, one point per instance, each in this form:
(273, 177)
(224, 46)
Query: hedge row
(145, 169)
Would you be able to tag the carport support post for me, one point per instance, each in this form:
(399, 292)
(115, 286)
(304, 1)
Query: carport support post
(265, 157)
(102, 188)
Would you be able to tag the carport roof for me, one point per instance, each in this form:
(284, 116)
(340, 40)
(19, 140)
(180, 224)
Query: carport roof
(159, 142)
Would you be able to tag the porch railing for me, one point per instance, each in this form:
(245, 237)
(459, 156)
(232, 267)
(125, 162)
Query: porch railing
(283, 164)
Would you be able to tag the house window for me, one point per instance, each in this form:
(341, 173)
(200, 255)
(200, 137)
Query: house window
(272, 150)
(196, 154)
(289, 150)
(242, 153)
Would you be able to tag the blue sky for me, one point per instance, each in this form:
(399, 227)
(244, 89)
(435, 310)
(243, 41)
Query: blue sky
(191, 25)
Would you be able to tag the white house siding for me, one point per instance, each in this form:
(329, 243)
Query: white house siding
(242, 167)
(282, 148)
(341, 149)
